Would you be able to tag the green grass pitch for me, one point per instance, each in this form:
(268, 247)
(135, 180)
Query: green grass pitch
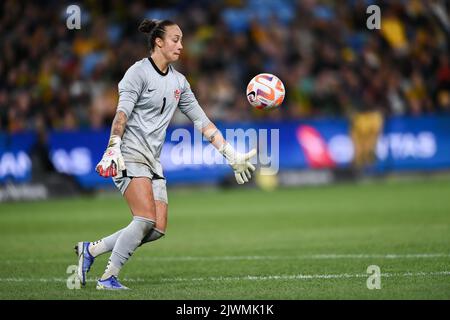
(293, 243)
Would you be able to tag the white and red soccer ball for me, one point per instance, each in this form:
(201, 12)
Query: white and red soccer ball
(265, 91)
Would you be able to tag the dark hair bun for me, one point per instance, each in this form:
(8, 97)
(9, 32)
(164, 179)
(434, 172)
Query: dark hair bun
(147, 25)
(154, 29)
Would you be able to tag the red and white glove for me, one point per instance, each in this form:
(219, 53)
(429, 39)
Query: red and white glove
(112, 163)
(239, 162)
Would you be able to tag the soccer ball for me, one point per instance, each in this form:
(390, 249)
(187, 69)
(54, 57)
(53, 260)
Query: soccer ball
(265, 91)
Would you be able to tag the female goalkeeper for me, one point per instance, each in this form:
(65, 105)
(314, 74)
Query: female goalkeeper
(149, 93)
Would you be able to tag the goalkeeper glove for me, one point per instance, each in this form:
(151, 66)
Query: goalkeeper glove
(112, 163)
(239, 162)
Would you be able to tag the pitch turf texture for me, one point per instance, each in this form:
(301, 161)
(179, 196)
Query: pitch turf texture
(294, 243)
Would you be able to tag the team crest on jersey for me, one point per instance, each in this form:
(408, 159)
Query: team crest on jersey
(177, 94)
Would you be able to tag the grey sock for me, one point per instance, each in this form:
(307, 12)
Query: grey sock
(129, 239)
(105, 244)
(110, 241)
(153, 235)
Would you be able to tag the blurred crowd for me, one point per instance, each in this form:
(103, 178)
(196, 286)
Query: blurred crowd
(330, 62)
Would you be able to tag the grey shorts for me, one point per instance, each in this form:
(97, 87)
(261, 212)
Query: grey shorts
(142, 170)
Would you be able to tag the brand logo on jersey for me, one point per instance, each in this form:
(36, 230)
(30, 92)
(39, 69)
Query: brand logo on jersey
(177, 94)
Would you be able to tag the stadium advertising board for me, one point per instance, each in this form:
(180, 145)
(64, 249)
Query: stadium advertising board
(406, 144)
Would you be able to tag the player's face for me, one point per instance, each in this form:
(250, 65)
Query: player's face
(172, 43)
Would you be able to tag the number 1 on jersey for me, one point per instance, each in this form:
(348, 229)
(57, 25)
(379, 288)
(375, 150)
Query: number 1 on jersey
(164, 104)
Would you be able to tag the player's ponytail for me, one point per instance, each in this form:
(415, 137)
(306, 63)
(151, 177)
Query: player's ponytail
(155, 29)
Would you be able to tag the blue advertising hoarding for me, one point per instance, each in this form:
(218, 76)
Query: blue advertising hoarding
(406, 144)
(15, 156)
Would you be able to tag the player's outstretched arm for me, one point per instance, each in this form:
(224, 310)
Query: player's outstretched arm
(112, 163)
(238, 161)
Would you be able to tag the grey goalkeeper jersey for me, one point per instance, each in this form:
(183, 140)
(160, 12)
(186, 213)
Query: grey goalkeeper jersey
(149, 99)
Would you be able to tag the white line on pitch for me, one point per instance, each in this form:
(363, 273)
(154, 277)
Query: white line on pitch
(308, 276)
(248, 277)
(230, 258)
(302, 257)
